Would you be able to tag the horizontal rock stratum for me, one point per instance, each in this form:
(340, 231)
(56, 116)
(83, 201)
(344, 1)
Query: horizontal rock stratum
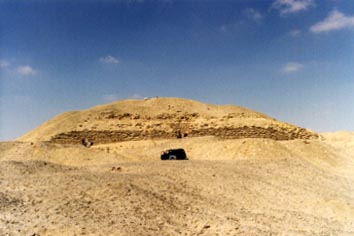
(162, 118)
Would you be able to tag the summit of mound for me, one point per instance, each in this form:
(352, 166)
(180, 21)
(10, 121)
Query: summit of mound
(162, 118)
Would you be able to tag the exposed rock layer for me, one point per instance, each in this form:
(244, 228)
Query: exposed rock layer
(106, 136)
(162, 118)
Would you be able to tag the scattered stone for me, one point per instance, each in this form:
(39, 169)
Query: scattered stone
(118, 168)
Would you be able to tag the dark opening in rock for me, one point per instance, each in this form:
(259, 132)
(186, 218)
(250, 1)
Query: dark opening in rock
(86, 142)
(178, 134)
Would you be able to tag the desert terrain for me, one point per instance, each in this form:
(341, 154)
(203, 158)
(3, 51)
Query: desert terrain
(247, 174)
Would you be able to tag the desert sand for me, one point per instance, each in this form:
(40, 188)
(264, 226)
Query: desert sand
(247, 174)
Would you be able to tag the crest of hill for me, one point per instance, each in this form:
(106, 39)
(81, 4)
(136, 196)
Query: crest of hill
(157, 106)
(129, 120)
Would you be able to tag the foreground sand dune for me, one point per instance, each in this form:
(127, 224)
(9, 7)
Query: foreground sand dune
(294, 188)
(170, 198)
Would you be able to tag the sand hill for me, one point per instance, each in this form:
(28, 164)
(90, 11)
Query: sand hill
(247, 174)
(162, 118)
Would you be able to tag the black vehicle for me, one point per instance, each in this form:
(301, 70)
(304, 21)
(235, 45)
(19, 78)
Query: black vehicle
(174, 154)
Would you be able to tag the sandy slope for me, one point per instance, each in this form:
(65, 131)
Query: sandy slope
(184, 198)
(228, 187)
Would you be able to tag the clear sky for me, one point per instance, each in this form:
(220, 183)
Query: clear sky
(290, 59)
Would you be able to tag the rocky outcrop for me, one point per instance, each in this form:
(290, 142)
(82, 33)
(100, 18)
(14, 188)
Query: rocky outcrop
(107, 136)
(162, 118)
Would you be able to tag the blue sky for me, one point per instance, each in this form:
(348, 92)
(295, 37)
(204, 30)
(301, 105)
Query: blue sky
(290, 59)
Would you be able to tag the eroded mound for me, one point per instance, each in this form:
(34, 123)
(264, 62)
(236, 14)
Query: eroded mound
(162, 118)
